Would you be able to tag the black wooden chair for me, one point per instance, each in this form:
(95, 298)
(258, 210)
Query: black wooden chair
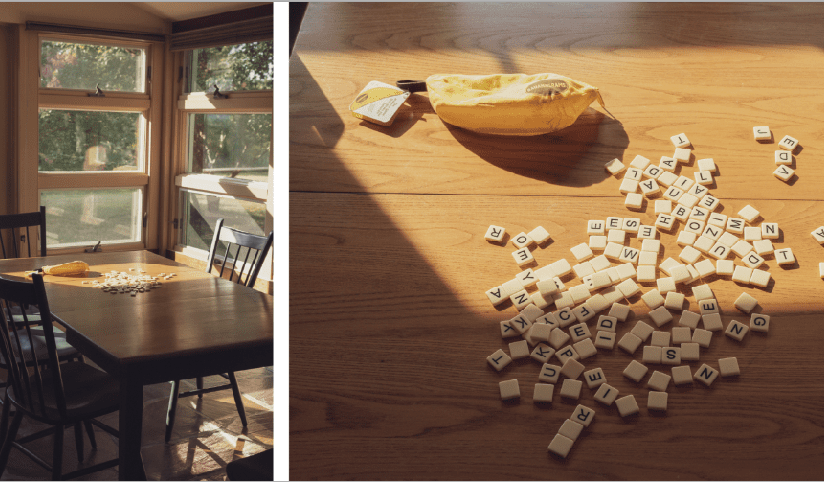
(14, 224)
(42, 388)
(12, 235)
(246, 245)
(30, 229)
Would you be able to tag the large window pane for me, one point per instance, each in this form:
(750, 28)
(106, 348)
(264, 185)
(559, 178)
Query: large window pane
(233, 68)
(84, 217)
(201, 211)
(74, 140)
(70, 65)
(230, 145)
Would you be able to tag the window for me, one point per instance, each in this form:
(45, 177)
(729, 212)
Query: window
(224, 144)
(93, 163)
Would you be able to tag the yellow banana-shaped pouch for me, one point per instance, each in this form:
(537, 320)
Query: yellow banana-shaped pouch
(66, 269)
(510, 104)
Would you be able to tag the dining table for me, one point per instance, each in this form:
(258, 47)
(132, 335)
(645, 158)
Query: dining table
(193, 324)
(391, 320)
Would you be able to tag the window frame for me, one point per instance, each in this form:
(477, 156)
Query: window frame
(33, 97)
(238, 102)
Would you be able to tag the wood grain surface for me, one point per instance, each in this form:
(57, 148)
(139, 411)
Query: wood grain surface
(389, 326)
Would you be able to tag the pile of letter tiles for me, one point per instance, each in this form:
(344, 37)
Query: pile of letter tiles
(553, 322)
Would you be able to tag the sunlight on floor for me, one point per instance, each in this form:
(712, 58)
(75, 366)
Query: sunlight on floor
(207, 434)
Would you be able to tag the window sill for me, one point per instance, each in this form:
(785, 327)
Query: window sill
(253, 190)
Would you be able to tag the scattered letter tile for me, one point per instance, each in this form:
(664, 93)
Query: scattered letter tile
(657, 401)
(605, 340)
(629, 343)
(759, 323)
(736, 330)
(659, 381)
(572, 368)
(542, 352)
(706, 374)
(518, 349)
(691, 351)
(583, 415)
(570, 429)
(681, 375)
(594, 378)
(498, 360)
(560, 445)
(549, 373)
(606, 394)
(571, 389)
(627, 406)
(509, 389)
(746, 303)
(728, 367)
(495, 234)
(543, 393)
(635, 371)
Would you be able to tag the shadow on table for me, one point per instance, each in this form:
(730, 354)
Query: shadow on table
(573, 156)
(382, 308)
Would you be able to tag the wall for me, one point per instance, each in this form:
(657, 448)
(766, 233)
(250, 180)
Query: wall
(111, 15)
(7, 184)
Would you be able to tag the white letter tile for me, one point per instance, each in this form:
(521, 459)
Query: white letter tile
(498, 360)
(509, 389)
(495, 234)
(627, 406)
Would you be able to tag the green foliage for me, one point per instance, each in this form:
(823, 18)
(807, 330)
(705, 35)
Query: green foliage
(234, 67)
(68, 65)
(65, 136)
(230, 141)
(222, 141)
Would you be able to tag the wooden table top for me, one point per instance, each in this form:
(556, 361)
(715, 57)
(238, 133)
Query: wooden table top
(388, 262)
(191, 312)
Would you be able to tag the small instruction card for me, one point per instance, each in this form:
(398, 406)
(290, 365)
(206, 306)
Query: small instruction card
(378, 103)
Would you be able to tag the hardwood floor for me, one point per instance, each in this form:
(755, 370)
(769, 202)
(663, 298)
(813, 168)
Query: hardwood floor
(207, 434)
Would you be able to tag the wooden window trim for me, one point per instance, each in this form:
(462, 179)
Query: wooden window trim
(80, 101)
(91, 180)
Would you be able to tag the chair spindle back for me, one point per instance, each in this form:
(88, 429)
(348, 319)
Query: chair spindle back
(256, 246)
(12, 228)
(25, 366)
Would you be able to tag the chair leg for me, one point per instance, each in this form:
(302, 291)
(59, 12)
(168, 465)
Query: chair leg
(4, 419)
(238, 400)
(170, 412)
(90, 431)
(78, 440)
(57, 458)
(10, 435)
(199, 384)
